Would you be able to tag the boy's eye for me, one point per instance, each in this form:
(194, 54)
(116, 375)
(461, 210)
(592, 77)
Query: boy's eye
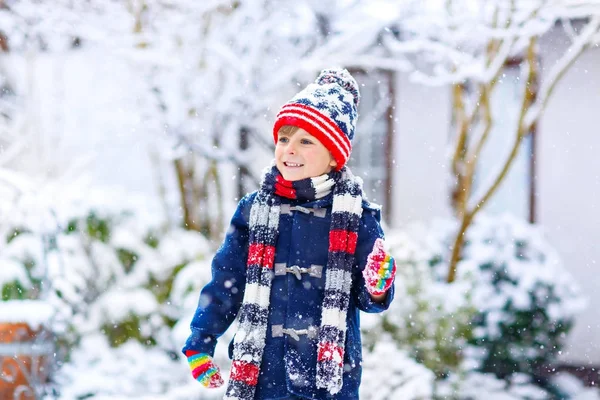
(305, 141)
(282, 139)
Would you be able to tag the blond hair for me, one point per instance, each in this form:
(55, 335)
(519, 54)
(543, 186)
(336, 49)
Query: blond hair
(287, 130)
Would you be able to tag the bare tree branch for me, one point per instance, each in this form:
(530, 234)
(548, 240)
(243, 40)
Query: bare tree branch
(559, 69)
(528, 98)
(215, 154)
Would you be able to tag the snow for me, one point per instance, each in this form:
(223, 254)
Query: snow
(117, 305)
(122, 372)
(573, 387)
(397, 377)
(34, 313)
(24, 247)
(13, 271)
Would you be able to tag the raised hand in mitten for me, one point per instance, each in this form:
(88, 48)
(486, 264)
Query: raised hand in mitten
(380, 270)
(204, 369)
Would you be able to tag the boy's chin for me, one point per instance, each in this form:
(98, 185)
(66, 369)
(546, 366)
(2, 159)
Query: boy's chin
(292, 177)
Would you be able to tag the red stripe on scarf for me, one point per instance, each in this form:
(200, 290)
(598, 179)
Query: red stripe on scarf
(244, 372)
(284, 188)
(261, 254)
(330, 351)
(340, 240)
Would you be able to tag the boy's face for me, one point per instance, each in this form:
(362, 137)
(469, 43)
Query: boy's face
(300, 155)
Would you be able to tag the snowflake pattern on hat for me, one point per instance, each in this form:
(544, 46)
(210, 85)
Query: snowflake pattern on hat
(340, 77)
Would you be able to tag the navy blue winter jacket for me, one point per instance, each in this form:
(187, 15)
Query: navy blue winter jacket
(289, 365)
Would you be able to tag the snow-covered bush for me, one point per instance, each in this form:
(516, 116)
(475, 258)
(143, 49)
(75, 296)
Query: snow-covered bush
(21, 260)
(132, 370)
(430, 320)
(390, 373)
(107, 267)
(509, 310)
(527, 299)
(477, 385)
(22, 273)
(122, 287)
(398, 377)
(116, 275)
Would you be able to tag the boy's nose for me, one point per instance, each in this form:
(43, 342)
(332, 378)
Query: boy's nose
(291, 148)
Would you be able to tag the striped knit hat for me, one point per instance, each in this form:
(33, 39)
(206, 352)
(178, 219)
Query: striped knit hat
(327, 109)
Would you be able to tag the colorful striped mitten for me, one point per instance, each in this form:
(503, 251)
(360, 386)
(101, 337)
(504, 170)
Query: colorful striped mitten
(380, 270)
(204, 369)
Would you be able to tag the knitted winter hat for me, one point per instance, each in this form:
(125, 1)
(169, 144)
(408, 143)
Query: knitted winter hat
(327, 109)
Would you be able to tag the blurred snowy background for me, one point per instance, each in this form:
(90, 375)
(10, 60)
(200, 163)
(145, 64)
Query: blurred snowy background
(129, 129)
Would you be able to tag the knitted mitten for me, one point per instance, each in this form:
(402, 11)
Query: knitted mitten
(380, 270)
(204, 369)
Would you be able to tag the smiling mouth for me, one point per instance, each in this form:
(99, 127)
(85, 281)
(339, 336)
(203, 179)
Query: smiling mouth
(291, 164)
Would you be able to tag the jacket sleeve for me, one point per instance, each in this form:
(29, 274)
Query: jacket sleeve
(369, 231)
(221, 298)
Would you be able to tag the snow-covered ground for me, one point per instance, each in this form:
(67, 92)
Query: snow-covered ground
(133, 372)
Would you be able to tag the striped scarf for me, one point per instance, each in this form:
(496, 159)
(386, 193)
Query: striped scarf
(250, 338)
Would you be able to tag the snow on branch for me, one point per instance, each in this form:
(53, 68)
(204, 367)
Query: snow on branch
(449, 45)
(579, 44)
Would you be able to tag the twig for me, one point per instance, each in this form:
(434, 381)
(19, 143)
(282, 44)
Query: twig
(213, 155)
(559, 69)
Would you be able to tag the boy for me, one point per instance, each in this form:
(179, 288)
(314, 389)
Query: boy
(303, 255)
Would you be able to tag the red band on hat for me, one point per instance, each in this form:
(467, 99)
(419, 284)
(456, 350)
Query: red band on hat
(318, 125)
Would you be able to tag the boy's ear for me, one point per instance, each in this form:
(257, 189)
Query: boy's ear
(333, 163)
